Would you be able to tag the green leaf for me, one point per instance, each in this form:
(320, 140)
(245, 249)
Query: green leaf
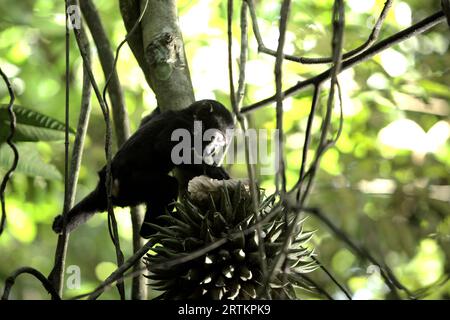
(31, 126)
(30, 162)
(435, 88)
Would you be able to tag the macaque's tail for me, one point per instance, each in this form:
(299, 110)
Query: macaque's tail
(85, 209)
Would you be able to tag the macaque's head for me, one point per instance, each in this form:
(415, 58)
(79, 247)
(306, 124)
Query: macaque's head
(217, 126)
(212, 114)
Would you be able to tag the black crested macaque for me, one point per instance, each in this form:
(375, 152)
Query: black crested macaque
(140, 169)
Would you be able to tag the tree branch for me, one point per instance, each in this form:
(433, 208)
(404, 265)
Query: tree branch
(118, 273)
(305, 60)
(106, 57)
(163, 47)
(108, 149)
(236, 98)
(12, 126)
(336, 45)
(45, 282)
(373, 37)
(130, 11)
(280, 176)
(391, 281)
(414, 30)
(56, 276)
(170, 78)
(120, 115)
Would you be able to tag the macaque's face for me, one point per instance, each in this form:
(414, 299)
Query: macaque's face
(217, 130)
(216, 149)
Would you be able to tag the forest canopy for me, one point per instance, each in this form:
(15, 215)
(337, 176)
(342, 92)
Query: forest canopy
(380, 195)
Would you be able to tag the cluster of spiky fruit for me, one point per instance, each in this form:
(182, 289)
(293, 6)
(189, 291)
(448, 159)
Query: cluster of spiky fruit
(209, 248)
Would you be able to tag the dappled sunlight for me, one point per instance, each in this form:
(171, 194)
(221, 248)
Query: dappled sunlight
(407, 134)
(394, 62)
(378, 81)
(21, 225)
(194, 26)
(104, 269)
(403, 14)
(359, 6)
(348, 86)
(123, 217)
(377, 186)
(428, 264)
(209, 62)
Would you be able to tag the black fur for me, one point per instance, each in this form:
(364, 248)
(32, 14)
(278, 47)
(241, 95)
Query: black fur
(140, 169)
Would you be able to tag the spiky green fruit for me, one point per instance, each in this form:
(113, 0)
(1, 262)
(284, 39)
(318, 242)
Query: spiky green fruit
(219, 216)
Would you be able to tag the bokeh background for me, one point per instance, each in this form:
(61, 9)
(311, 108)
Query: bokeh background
(386, 183)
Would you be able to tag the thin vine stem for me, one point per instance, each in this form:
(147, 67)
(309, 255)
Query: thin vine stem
(9, 141)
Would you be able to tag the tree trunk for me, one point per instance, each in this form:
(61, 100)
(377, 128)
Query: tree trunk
(159, 49)
(158, 46)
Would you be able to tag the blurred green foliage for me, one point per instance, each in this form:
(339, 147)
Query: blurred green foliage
(386, 183)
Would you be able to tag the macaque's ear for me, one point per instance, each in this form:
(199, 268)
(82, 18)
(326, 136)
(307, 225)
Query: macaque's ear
(203, 110)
